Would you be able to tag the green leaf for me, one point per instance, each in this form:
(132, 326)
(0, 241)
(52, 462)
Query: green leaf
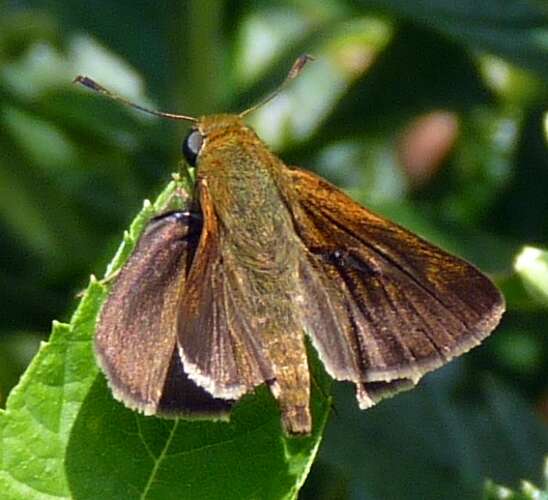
(42, 408)
(532, 266)
(132, 456)
(62, 433)
(438, 438)
(517, 31)
(528, 491)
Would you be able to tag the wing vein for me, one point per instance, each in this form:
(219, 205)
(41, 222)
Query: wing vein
(394, 262)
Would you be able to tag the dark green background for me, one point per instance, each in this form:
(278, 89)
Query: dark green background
(74, 170)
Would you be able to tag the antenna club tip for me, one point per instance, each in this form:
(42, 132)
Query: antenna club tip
(87, 82)
(307, 57)
(294, 72)
(80, 79)
(299, 64)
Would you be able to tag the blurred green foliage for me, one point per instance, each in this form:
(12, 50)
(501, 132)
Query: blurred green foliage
(470, 77)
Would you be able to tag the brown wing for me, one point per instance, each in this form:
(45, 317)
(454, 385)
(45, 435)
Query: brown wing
(136, 334)
(215, 342)
(381, 305)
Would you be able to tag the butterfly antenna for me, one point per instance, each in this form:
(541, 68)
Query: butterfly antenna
(294, 72)
(91, 84)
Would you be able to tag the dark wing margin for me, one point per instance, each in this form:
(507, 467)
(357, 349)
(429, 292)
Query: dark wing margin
(215, 343)
(381, 305)
(135, 339)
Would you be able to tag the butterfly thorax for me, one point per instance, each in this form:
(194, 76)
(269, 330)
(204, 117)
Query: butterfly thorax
(239, 172)
(260, 254)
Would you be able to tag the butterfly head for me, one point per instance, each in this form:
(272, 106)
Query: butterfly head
(209, 130)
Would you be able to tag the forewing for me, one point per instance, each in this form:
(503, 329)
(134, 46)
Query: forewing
(215, 343)
(382, 305)
(136, 334)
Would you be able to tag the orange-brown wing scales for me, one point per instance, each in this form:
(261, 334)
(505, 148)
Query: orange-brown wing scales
(214, 342)
(347, 342)
(382, 305)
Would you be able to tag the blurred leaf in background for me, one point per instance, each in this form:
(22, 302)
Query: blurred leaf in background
(433, 113)
(527, 491)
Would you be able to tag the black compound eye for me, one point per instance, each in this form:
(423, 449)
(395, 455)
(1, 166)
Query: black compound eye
(192, 145)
